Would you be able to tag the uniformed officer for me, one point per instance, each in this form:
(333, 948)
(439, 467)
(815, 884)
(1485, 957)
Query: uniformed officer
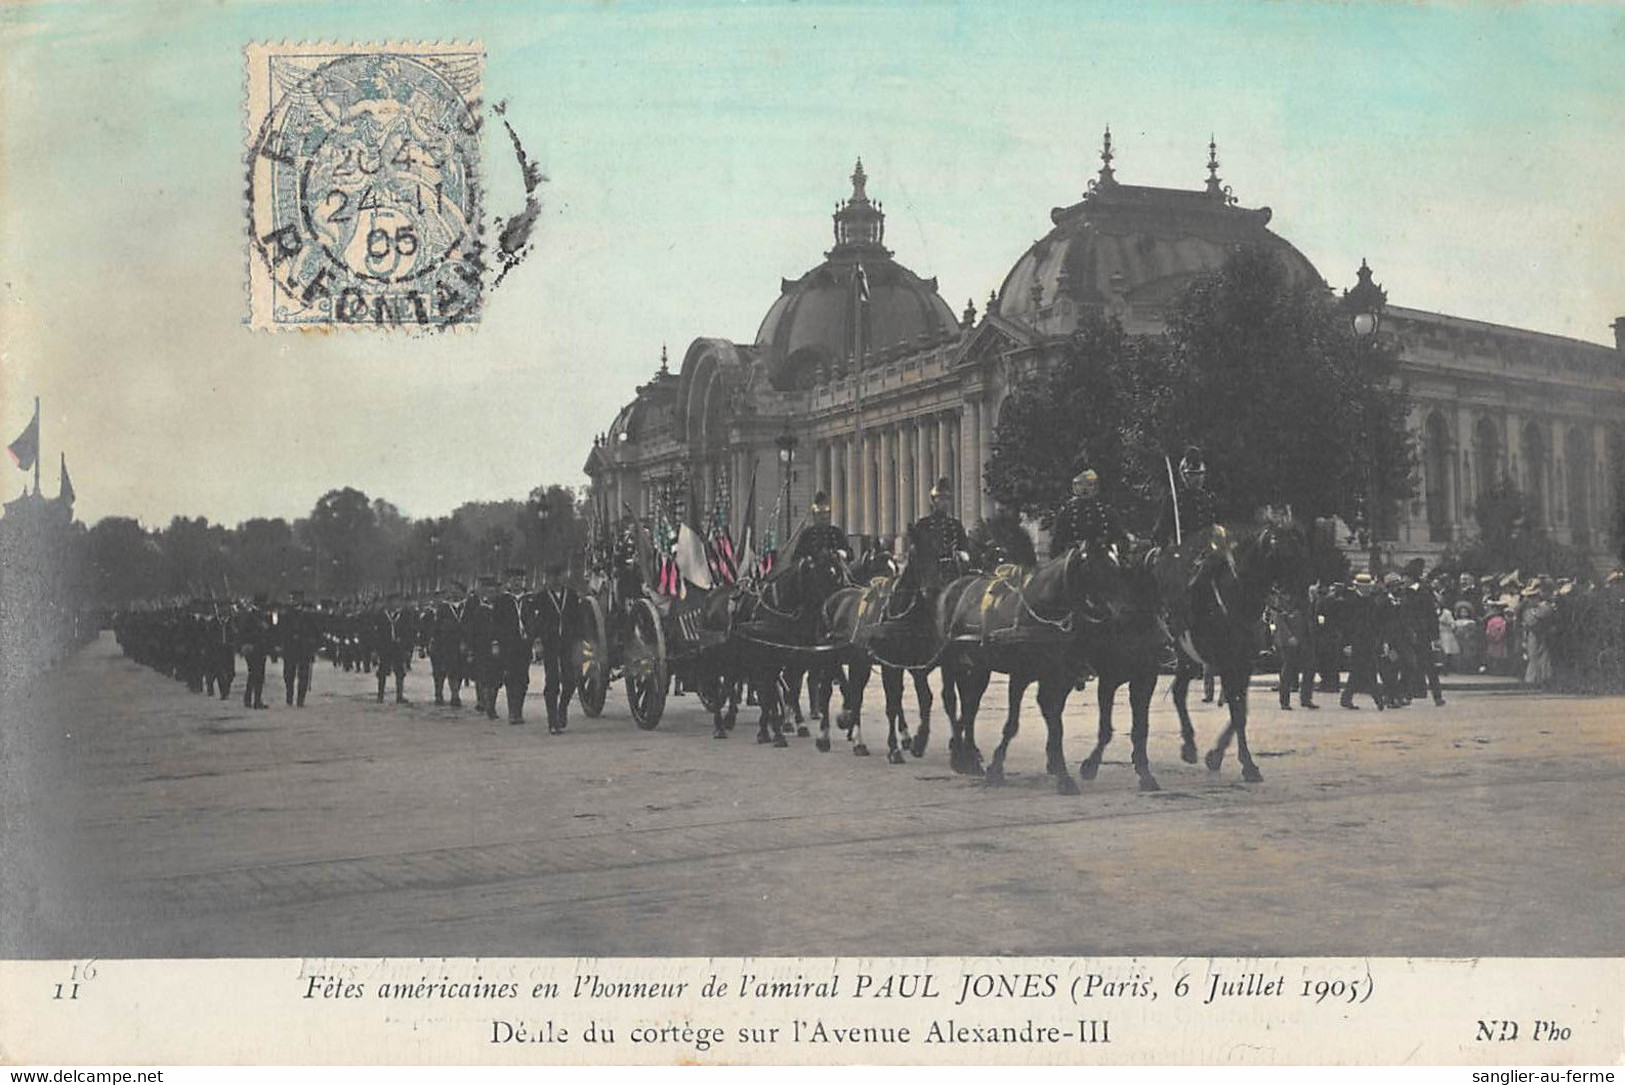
(1198, 508)
(448, 644)
(394, 633)
(1083, 519)
(822, 540)
(1419, 612)
(485, 654)
(1361, 622)
(939, 541)
(556, 613)
(252, 633)
(512, 614)
(297, 636)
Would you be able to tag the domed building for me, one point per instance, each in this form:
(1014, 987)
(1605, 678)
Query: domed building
(862, 382)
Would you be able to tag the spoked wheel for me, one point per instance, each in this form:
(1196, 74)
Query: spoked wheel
(648, 673)
(592, 659)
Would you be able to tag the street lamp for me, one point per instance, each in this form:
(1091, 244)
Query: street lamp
(787, 460)
(1364, 304)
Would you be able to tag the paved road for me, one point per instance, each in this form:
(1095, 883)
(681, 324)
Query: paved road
(142, 820)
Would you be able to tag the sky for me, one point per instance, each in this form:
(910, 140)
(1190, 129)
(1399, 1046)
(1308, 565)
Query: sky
(694, 151)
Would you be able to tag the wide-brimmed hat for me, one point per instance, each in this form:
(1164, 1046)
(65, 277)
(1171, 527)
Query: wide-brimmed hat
(1532, 589)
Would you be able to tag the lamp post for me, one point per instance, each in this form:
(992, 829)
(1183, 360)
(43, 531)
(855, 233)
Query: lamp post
(1364, 304)
(787, 460)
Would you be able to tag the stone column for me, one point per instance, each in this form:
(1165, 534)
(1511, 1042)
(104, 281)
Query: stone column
(939, 458)
(922, 468)
(984, 443)
(968, 418)
(849, 484)
(888, 481)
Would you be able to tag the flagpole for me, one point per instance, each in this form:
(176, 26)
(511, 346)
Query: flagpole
(858, 516)
(39, 447)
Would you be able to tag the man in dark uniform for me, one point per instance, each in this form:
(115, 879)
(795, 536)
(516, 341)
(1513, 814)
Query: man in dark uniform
(252, 634)
(512, 613)
(297, 636)
(822, 540)
(1198, 508)
(484, 659)
(1188, 515)
(1393, 642)
(394, 633)
(556, 614)
(1292, 630)
(1084, 520)
(448, 643)
(222, 653)
(938, 542)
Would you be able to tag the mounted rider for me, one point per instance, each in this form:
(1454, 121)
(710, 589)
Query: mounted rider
(1187, 537)
(821, 540)
(1083, 520)
(938, 544)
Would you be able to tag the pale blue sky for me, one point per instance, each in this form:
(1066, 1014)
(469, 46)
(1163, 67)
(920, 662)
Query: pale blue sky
(1473, 153)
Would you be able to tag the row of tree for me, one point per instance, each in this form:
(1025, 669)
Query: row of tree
(349, 545)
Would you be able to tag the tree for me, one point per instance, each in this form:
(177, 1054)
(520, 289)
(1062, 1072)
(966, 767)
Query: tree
(1289, 406)
(342, 532)
(1267, 378)
(124, 561)
(1508, 539)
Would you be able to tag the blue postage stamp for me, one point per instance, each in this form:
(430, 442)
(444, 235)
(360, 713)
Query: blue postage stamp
(363, 189)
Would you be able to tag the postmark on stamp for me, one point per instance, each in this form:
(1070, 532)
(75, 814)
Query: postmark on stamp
(364, 190)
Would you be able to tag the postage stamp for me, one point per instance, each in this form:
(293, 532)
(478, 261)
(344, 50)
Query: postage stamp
(363, 185)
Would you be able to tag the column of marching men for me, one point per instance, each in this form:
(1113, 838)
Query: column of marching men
(482, 639)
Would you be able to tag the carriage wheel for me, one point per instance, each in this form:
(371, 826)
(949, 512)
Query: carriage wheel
(592, 659)
(648, 673)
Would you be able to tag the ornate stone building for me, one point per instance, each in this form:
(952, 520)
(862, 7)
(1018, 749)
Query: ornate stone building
(793, 411)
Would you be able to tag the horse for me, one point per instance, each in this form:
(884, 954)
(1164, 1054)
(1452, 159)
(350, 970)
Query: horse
(1129, 649)
(885, 618)
(776, 623)
(1216, 618)
(1032, 627)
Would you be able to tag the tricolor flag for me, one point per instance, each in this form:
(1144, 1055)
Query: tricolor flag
(863, 284)
(25, 449)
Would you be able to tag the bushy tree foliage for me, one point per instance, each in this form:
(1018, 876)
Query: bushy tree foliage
(1290, 408)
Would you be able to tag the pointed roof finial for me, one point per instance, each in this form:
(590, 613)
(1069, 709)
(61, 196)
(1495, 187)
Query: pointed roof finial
(859, 179)
(1107, 174)
(665, 370)
(1215, 187)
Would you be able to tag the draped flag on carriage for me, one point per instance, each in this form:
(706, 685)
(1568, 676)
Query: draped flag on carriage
(688, 555)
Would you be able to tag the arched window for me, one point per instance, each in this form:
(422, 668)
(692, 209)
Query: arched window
(1436, 464)
(1578, 452)
(1536, 464)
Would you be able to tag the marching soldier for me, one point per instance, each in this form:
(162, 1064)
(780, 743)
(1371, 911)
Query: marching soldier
(555, 624)
(511, 615)
(484, 654)
(394, 633)
(448, 644)
(298, 634)
(1084, 520)
(252, 633)
(939, 541)
(1419, 614)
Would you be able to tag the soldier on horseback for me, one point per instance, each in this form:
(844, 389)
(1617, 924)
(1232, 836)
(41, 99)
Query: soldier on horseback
(1084, 520)
(1185, 537)
(938, 545)
(821, 540)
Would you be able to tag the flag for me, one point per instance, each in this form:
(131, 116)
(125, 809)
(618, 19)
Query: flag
(863, 284)
(25, 449)
(66, 490)
(689, 557)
